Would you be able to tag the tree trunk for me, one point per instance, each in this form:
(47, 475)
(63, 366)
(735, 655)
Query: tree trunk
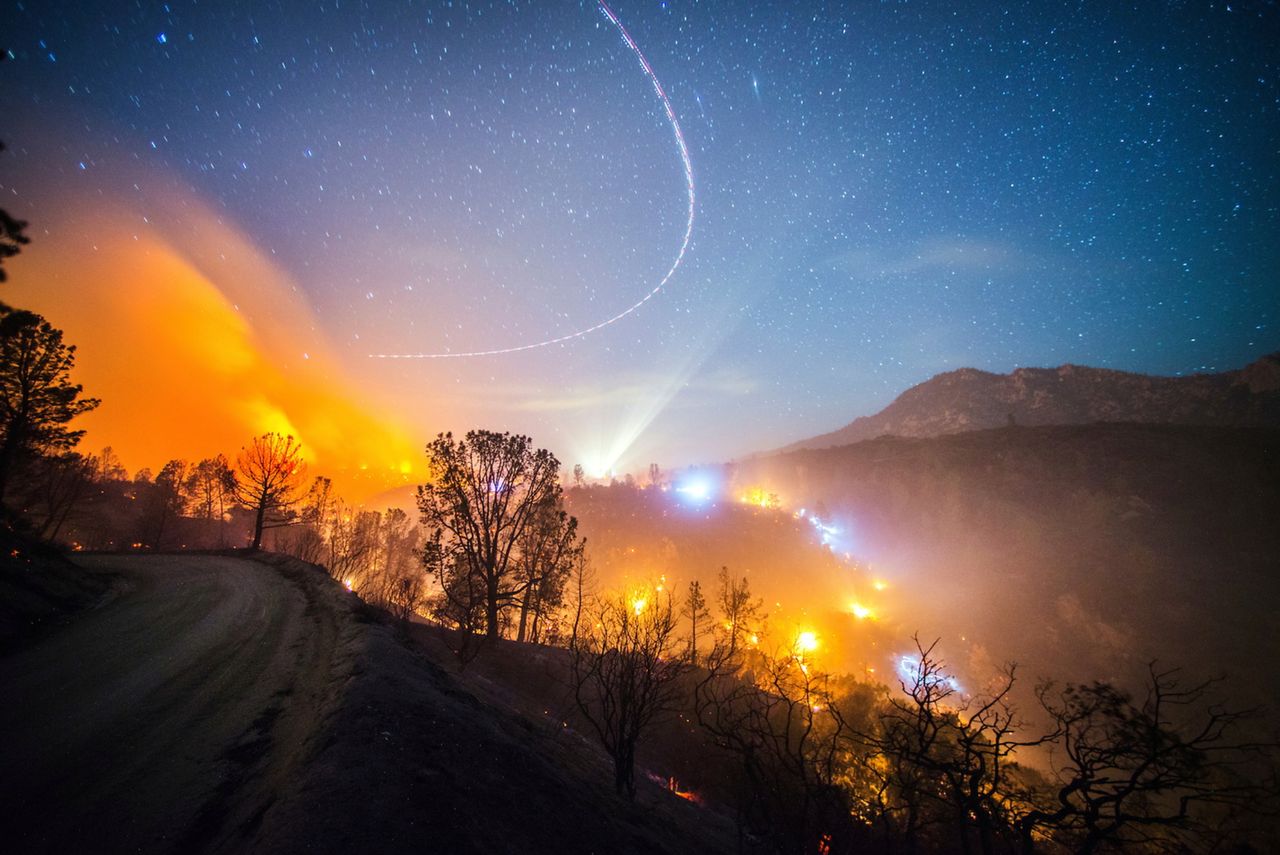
(8, 453)
(524, 617)
(491, 607)
(624, 772)
(257, 525)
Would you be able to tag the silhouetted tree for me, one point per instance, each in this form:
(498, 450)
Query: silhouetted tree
(166, 500)
(941, 765)
(352, 544)
(655, 475)
(12, 236)
(37, 397)
(579, 477)
(740, 614)
(393, 578)
(545, 557)
(1156, 772)
(109, 467)
(269, 473)
(625, 670)
(61, 483)
(780, 722)
(211, 487)
(486, 490)
(309, 538)
(699, 616)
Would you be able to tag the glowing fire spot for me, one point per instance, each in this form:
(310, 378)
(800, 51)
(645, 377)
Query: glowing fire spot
(806, 642)
(348, 583)
(761, 498)
(880, 584)
(639, 604)
(861, 612)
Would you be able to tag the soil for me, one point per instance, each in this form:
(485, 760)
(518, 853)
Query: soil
(220, 704)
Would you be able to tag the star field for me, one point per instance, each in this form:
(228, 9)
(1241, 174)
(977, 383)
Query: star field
(885, 190)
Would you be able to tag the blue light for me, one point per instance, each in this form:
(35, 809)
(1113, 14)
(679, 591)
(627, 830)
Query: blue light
(695, 489)
(909, 671)
(162, 39)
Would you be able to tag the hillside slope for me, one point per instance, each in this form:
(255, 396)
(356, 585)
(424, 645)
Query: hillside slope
(1081, 551)
(221, 704)
(969, 399)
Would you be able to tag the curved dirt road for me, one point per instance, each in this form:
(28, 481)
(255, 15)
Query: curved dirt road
(166, 718)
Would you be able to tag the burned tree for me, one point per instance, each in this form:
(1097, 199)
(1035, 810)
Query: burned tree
(1160, 771)
(626, 667)
(938, 765)
(780, 722)
(269, 473)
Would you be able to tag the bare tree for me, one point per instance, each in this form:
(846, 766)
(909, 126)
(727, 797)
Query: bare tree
(352, 544)
(309, 538)
(393, 577)
(269, 473)
(625, 669)
(780, 722)
(1156, 772)
(942, 764)
(486, 490)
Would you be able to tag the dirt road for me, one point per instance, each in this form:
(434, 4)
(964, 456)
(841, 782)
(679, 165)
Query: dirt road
(161, 720)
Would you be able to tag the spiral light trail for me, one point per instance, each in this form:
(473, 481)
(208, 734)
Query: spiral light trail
(684, 242)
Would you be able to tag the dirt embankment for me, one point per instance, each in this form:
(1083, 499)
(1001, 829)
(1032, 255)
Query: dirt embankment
(217, 704)
(164, 718)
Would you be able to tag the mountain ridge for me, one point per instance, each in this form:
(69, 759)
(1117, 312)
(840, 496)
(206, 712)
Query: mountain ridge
(972, 399)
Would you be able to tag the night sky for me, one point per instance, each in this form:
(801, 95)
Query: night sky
(883, 191)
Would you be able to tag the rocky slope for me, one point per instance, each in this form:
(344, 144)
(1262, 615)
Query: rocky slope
(969, 399)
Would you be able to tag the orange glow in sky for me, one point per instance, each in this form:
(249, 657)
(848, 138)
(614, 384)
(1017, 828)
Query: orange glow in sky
(195, 342)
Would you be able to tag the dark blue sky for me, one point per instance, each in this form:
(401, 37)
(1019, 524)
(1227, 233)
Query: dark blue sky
(884, 191)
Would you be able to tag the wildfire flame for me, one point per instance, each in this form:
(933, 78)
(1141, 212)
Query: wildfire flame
(806, 641)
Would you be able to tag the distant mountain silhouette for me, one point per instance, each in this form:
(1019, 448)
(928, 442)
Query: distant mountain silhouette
(969, 399)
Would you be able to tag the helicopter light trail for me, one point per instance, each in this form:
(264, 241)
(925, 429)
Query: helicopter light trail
(690, 186)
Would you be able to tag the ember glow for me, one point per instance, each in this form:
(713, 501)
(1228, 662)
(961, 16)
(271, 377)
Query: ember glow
(169, 323)
(806, 641)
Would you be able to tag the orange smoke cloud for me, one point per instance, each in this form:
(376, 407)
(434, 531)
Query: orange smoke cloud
(195, 342)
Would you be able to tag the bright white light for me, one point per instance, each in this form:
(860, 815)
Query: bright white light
(806, 642)
(696, 489)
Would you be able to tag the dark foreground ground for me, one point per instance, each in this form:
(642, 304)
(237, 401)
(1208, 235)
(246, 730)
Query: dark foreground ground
(219, 704)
